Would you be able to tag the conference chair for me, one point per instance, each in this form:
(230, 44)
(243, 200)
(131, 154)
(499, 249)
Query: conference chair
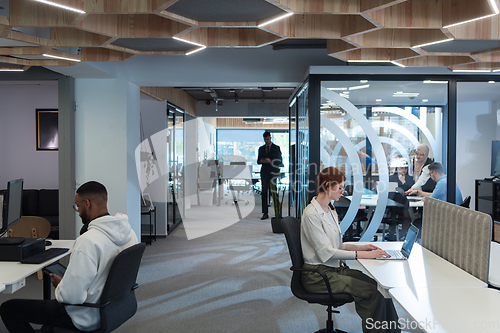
(117, 303)
(396, 215)
(291, 229)
(466, 202)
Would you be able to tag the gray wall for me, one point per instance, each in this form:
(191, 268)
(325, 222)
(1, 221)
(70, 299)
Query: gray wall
(19, 157)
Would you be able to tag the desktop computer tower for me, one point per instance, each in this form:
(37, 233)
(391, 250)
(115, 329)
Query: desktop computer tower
(16, 252)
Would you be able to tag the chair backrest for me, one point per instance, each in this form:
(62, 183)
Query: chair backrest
(466, 202)
(119, 289)
(30, 227)
(291, 229)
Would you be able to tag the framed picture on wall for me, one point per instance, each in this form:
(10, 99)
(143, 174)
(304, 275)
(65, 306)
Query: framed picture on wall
(47, 137)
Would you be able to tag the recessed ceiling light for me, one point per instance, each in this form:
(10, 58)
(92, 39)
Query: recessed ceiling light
(363, 81)
(491, 81)
(425, 100)
(11, 70)
(336, 88)
(359, 87)
(378, 100)
(402, 94)
(432, 81)
(472, 71)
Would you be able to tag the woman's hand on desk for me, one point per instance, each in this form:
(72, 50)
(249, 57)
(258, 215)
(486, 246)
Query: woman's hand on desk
(55, 279)
(373, 254)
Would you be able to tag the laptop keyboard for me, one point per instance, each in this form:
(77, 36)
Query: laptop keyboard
(395, 254)
(44, 256)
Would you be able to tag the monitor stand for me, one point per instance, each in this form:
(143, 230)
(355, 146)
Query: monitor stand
(11, 240)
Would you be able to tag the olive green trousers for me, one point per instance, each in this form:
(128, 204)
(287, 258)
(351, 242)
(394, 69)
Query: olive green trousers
(378, 313)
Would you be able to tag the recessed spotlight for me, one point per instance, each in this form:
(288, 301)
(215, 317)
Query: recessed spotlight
(378, 100)
(363, 81)
(491, 81)
(425, 100)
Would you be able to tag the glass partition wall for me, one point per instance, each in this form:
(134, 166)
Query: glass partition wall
(175, 140)
(366, 129)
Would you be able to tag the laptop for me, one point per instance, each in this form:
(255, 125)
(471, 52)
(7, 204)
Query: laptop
(404, 253)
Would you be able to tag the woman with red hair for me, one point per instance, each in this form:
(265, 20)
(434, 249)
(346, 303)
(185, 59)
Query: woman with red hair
(322, 248)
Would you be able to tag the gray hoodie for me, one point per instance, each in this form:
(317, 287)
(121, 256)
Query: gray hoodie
(90, 261)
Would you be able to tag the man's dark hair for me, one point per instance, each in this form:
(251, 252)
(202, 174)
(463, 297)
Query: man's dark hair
(266, 134)
(93, 188)
(436, 166)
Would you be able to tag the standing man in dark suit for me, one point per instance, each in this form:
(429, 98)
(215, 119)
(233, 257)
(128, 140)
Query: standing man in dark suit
(270, 158)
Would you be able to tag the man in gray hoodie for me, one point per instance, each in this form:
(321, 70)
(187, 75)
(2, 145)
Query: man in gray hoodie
(102, 238)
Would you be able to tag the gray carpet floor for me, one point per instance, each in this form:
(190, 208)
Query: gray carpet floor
(233, 280)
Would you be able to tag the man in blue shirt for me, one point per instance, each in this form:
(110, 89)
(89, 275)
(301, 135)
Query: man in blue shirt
(436, 171)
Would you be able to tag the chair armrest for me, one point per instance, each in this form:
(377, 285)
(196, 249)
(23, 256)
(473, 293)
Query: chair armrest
(323, 275)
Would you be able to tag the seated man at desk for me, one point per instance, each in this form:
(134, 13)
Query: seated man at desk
(101, 239)
(436, 171)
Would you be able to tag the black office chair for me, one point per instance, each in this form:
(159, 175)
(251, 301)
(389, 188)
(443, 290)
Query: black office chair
(291, 228)
(117, 303)
(351, 235)
(466, 202)
(394, 216)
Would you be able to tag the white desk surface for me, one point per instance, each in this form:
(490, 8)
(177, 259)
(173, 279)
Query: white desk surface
(370, 200)
(494, 274)
(423, 269)
(13, 271)
(453, 310)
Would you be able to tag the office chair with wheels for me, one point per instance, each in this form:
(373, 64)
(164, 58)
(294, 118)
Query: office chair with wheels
(291, 228)
(117, 303)
(395, 216)
(466, 202)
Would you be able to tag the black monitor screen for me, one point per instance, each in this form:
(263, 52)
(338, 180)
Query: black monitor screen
(495, 158)
(12, 204)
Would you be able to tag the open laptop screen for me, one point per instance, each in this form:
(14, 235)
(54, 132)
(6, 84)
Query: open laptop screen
(411, 236)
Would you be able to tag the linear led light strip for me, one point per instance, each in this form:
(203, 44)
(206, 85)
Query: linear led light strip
(57, 57)
(275, 19)
(11, 70)
(432, 43)
(472, 71)
(493, 6)
(431, 81)
(402, 94)
(61, 6)
(193, 43)
(391, 61)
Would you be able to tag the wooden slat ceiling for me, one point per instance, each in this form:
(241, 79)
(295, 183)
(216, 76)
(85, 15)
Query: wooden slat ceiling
(394, 31)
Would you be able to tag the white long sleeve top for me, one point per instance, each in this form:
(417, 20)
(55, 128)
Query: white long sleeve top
(321, 237)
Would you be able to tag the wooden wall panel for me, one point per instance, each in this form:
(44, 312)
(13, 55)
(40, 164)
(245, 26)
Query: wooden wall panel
(102, 54)
(71, 37)
(398, 37)
(320, 26)
(456, 11)
(134, 25)
(28, 13)
(411, 14)
(175, 96)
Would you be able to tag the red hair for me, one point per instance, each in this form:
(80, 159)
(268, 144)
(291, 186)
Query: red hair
(329, 177)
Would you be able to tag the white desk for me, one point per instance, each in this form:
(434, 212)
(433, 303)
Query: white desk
(453, 310)
(494, 274)
(423, 269)
(415, 201)
(13, 274)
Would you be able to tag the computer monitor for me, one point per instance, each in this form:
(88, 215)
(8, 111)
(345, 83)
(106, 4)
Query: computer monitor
(11, 208)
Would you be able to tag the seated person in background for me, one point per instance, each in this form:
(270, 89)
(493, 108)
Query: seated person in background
(90, 262)
(436, 170)
(322, 248)
(401, 176)
(421, 174)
